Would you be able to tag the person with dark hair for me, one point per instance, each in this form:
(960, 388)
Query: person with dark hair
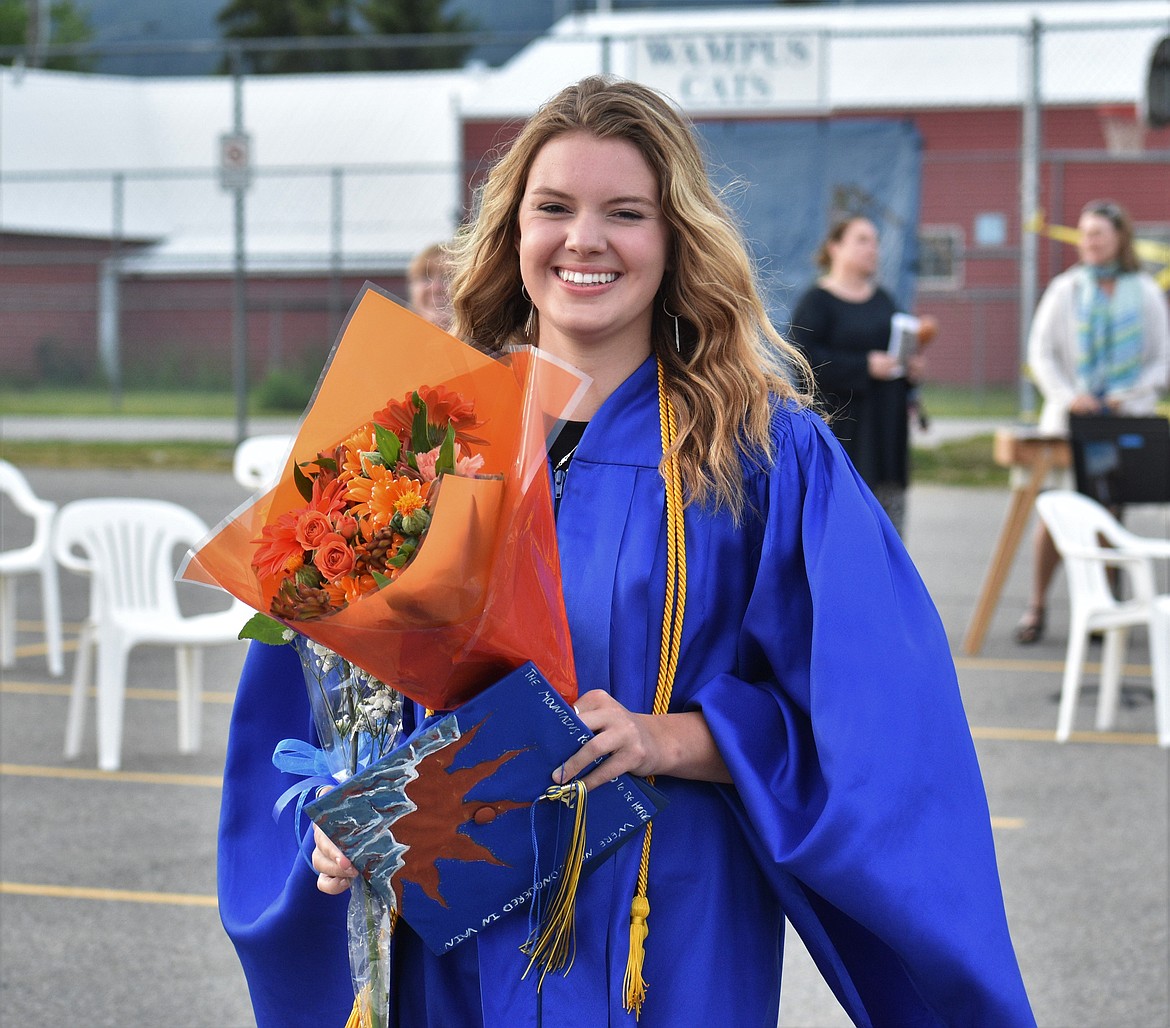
(747, 628)
(842, 324)
(1099, 343)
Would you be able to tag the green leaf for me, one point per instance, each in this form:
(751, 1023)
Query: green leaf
(303, 483)
(420, 439)
(446, 461)
(381, 579)
(405, 552)
(264, 629)
(389, 445)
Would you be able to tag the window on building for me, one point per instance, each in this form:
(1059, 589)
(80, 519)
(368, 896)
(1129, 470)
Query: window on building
(940, 257)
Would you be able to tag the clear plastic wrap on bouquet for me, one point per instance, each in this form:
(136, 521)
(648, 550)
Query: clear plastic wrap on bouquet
(358, 720)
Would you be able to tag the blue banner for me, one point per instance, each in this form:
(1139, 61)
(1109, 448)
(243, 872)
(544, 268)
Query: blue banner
(787, 180)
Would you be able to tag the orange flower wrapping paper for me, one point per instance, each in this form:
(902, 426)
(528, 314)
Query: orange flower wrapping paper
(483, 593)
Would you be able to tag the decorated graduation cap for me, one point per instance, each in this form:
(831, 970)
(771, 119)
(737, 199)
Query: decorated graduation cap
(460, 827)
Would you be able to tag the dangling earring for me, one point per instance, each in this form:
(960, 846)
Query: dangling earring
(677, 344)
(530, 324)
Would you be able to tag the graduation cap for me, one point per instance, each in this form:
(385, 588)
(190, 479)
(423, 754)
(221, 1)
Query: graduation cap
(458, 827)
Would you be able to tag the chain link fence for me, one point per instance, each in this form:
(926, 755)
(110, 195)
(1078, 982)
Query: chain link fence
(164, 306)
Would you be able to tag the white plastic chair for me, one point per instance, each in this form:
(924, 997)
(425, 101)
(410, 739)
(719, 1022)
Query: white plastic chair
(36, 559)
(1160, 659)
(1078, 525)
(259, 460)
(128, 547)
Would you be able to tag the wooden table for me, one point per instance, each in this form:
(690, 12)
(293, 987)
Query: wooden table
(1037, 455)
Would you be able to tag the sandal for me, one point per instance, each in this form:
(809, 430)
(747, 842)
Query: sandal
(1031, 627)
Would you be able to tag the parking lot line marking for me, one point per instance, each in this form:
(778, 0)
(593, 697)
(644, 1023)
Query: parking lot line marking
(69, 627)
(1049, 735)
(53, 689)
(40, 649)
(1007, 822)
(93, 775)
(1055, 667)
(74, 892)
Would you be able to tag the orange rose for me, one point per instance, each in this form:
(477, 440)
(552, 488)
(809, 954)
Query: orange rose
(346, 526)
(312, 527)
(334, 557)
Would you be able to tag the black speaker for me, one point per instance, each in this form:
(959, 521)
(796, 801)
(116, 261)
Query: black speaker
(1157, 100)
(1119, 459)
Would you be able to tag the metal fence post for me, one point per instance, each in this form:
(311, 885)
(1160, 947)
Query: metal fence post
(239, 291)
(336, 243)
(1029, 205)
(110, 295)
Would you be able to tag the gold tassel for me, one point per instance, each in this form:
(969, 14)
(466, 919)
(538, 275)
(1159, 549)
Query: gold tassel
(355, 1015)
(635, 984)
(555, 944)
(361, 1016)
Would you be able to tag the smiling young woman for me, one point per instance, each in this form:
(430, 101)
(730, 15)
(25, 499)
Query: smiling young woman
(746, 627)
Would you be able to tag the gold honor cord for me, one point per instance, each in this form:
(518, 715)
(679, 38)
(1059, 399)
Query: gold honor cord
(672, 620)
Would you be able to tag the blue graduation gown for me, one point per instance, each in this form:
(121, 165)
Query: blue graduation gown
(817, 657)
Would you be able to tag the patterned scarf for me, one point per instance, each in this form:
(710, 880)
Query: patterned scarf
(1109, 330)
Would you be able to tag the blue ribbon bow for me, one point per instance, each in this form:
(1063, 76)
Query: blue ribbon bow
(297, 757)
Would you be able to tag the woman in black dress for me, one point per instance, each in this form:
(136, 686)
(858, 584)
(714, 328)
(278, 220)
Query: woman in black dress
(843, 323)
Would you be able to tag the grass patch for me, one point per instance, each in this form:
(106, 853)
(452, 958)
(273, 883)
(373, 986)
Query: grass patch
(962, 462)
(95, 402)
(160, 456)
(943, 401)
(965, 462)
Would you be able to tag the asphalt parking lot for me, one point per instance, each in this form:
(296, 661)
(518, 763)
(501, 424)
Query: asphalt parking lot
(107, 881)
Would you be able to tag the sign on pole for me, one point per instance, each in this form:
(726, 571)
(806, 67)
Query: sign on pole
(235, 160)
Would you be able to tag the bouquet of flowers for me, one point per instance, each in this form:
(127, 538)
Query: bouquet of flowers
(368, 504)
(395, 553)
(416, 540)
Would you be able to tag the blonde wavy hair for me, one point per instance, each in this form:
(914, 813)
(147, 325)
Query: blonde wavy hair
(733, 361)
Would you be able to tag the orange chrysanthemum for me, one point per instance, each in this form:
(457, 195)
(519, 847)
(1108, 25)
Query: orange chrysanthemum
(375, 498)
(352, 448)
(349, 589)
(410, 500)
(278, 552)
(443, 405)
(328, 495)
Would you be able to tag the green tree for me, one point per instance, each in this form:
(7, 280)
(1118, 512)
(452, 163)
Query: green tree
(289, 19)
(410, 17)
(66, 24)
(245, 20)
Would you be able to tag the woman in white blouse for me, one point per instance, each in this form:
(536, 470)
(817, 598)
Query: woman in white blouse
(1100, 343)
